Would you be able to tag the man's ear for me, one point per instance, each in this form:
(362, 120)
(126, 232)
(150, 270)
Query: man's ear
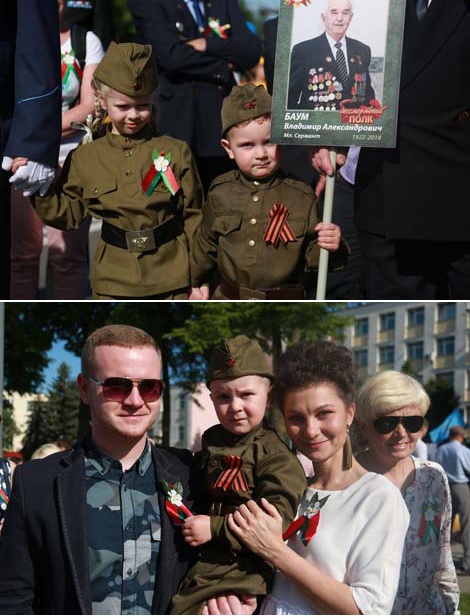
(84, 388)
(226, 145)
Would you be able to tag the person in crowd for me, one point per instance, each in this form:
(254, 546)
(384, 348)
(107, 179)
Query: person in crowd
(143, 185)
(340, 557)
(67, 250)
(199, 46)
(390, 414)
(334, 58)
(454, 457)
(6, 478)
(95, 15)
(259, 228)
(240, 460)
(407, 252)
(87, 530)
(29, 107)
(45, 450)
(421, 447)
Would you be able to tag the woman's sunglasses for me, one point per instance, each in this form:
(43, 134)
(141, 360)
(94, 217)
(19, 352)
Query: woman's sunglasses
(118, 388)
(388, 423)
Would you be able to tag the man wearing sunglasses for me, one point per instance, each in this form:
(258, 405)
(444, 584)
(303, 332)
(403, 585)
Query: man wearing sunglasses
(86, 530)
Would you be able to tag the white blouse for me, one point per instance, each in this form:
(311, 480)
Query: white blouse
(359, 541)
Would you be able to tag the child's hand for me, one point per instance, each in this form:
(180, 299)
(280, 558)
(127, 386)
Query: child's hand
(329, 236)
(197, 530)
(198, 293)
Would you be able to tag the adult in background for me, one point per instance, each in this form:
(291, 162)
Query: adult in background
(341, 557)
(95, 15)
(421, 447)
(413, 227)
(334, 59)
(29, 106)
(197, 46)
(86, 530)
(81, 51)
(390, 413)
(454, 457)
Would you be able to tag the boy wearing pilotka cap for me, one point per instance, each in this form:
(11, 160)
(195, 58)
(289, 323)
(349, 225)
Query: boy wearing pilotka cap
(259, 228)
(143, 185)
(240, 460)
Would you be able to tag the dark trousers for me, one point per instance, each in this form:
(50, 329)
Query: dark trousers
(414, 269)
(460, 494)
(4, 242)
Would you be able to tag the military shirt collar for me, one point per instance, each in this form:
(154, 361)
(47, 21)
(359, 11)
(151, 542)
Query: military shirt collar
(122, 142)
(230, 440)
(266, 184)
(104, 462)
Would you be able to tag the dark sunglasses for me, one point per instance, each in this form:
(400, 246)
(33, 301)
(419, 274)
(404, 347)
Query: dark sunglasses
(118, 388)
(388, 423)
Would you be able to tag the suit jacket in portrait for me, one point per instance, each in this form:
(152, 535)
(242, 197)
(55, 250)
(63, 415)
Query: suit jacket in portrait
(194, 84)
(44, 546)
(30, 83)
(415, 190)
(314, 78)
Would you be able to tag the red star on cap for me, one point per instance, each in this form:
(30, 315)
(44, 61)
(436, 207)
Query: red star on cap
(231, 361)
(250, 105)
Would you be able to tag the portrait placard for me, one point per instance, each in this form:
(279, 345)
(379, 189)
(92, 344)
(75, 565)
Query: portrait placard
(337, 72)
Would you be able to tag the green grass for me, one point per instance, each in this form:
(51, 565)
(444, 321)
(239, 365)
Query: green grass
(464, 604)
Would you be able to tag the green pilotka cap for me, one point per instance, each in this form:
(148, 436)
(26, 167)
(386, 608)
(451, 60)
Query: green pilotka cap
(128, 68)
(236, 357)
(244, 103)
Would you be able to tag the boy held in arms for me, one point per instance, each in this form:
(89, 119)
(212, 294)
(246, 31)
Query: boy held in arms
(259, 227)
(143, 185)
(240, 460)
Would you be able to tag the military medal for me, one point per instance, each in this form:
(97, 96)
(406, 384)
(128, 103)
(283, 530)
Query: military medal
(174, 506)
(214, 27)
(160, 170)
(308, 522)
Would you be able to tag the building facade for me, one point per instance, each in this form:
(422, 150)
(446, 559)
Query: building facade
(433, 336)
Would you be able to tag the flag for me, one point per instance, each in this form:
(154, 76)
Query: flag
(441, 433)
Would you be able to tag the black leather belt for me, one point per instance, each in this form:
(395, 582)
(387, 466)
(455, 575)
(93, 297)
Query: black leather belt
(144, 240)
(283, 292)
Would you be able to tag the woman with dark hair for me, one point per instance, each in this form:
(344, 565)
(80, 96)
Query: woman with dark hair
(341, 556)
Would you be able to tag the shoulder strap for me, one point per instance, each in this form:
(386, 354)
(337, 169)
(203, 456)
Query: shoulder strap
(78, 42)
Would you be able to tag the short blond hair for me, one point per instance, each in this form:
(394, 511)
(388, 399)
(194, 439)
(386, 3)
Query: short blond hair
(389, 391)
(125, 336)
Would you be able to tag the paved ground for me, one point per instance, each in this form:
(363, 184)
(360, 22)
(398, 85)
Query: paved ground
(464, 580)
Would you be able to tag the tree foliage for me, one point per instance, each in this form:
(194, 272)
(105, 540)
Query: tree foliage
(443, 400)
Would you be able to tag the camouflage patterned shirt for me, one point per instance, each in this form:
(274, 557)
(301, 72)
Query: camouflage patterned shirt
(123, 518)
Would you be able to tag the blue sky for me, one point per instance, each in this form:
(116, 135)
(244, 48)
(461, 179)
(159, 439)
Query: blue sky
(59, 355)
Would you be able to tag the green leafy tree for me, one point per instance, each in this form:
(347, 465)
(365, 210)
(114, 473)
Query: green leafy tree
(64, 403)
(9, 427)
(407, 368)
(39, 427)
(443, 400)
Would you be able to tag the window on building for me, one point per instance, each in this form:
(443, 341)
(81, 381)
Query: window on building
(361, 358)
(387, 354)
(361, 326)
(415, 316)
(387, 321)
(182, 402)
(445, 376)
(446, 312)
(445, 346)
(415, 350)
(181, 434)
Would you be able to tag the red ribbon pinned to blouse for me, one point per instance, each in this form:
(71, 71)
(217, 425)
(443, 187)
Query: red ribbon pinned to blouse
(278, 227)
(232, 477)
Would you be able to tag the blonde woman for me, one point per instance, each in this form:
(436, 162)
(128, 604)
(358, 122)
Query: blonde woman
(390, 414)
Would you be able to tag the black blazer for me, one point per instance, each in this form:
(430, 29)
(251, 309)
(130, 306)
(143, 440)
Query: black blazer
(44, 547)
(30, 83)
(415, 190)
(316, 53)
(194, 84)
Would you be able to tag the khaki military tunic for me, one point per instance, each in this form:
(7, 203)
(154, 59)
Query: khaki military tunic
(234, 222)
(103, 179)
(225, 564)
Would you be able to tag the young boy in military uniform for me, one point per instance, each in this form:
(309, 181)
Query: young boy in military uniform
(240, 460)
(259, 227)
(143, 185)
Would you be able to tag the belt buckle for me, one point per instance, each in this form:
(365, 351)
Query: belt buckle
(140, 241)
